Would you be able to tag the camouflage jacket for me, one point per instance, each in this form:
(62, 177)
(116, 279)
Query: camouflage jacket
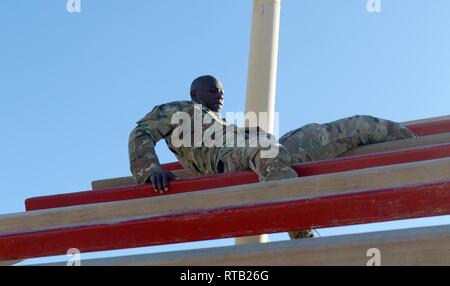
(197, 158)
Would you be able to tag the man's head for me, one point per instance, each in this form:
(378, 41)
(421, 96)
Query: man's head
(208, 91)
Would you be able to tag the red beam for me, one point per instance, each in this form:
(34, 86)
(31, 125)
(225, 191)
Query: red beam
(172, 166)
(404, 202)
(246, 177)
(430, 128)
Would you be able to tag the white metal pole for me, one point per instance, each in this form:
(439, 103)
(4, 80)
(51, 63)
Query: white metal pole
(262, 70)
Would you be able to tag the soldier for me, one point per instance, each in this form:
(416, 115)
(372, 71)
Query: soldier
(207, 99)
(308, 143)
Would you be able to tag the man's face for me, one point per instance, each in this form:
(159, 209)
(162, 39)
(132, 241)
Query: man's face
(209, 92)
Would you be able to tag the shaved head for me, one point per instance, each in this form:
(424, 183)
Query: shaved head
(208, 90)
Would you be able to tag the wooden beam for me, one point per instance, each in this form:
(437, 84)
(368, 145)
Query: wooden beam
(239, 178)
(295, 188)
(201, 224)
(118, 182)
(129, 181)
(427, 120)
(174, 167)
(429, 128)
(427, 246)
(9, 262)
(399, 144)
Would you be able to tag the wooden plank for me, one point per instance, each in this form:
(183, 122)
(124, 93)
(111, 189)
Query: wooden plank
(129, 181)
(399, 144)
(295, 188)
(427, 246)
(202, 224)
(429, 128)
(174, 167)
(118, 182)
(304, 169)
(427, 120)
(171, 166)
(9, 262)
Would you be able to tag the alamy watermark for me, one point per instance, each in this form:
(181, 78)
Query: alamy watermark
(373, 6)
(73, 6)
(375, 257)
(208, 131)
(74, 255)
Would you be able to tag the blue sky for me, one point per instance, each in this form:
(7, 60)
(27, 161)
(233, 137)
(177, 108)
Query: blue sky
(73, 85)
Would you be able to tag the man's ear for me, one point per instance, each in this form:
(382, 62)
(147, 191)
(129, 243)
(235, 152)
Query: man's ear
(193, 97)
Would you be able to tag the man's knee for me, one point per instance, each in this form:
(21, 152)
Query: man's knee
(368, 118)
(375, 129)
(273, 168)
(362, 121)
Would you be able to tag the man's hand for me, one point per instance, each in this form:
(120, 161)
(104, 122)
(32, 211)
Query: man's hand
(160, 181)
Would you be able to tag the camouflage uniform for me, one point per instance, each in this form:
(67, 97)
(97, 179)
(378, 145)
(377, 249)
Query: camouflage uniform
(324, 141)
(201, 160)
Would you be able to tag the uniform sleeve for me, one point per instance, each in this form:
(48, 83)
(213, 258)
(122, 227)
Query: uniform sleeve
(141, 145)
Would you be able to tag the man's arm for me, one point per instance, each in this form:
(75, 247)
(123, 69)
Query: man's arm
(144, 163)
(143, 159)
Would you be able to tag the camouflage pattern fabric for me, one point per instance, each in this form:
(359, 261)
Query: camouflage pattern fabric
(301, 234)
(324, 141)
(268, 169)
(201, 160)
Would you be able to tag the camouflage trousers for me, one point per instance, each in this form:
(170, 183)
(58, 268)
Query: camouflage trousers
(244, 158)
(310, 143)
(325, 141)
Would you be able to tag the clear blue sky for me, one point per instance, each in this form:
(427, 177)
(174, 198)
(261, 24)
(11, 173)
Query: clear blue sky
(73, 85)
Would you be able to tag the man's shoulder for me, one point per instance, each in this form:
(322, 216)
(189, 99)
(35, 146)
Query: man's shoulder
(174, 106)
(168, 109)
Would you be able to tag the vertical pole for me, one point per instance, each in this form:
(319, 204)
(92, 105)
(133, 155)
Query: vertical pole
(262, 70)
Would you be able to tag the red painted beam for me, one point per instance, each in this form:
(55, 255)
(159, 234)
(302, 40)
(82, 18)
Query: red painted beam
(430, 128)
(172, 166)
(246, 177)
(404, 202)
